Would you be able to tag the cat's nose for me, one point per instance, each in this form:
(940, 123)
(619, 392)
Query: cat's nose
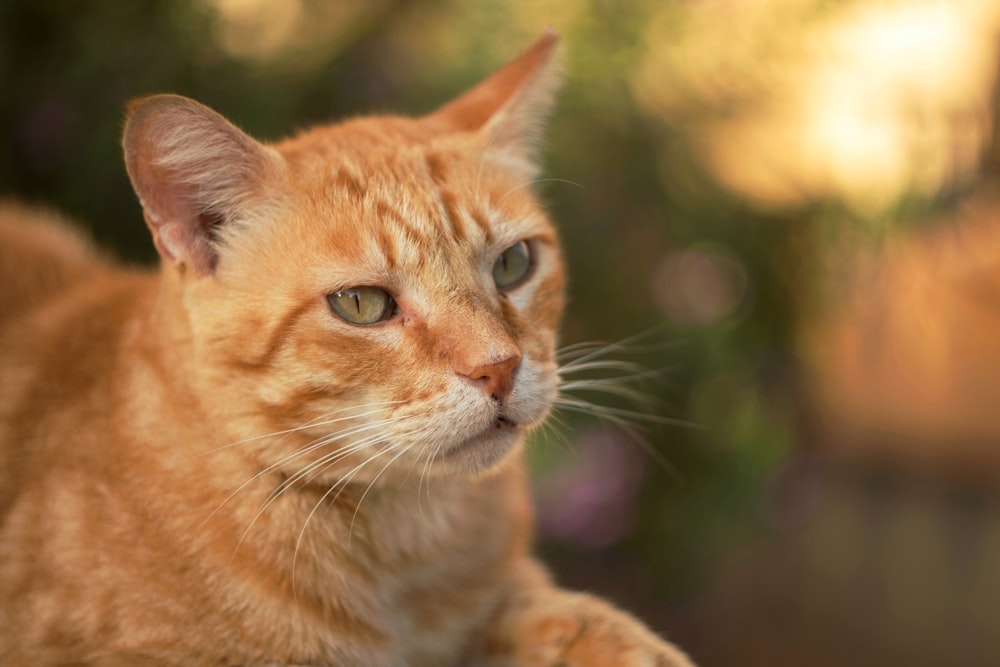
(496, 378)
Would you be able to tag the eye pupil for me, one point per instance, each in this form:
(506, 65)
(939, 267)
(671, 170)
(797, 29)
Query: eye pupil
(362, 305)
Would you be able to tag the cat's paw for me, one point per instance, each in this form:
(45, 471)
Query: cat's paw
(575, 630)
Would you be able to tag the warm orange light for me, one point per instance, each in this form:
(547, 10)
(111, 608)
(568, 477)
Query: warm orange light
(256, 28)
(295, 32)
(866, 103)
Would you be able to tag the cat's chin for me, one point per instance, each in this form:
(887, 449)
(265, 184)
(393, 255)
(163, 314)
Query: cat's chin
(484, 450)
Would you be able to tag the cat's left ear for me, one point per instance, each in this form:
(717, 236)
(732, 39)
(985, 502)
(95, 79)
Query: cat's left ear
(195, 174)
(509, 109)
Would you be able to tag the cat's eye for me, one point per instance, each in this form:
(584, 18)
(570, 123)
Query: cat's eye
(513, 266)
(362, 305)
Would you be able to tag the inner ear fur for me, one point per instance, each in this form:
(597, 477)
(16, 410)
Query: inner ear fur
(194, 172)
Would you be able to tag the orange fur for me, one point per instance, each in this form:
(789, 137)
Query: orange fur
(206, 466)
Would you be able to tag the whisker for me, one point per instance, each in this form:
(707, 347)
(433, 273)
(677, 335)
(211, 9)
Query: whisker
(317, 468)
(312, 470)
(639, 439)
(533, 182)
(620, 418)
(319, 503)
(357, 508)
(554, 429)
(323, 463)
(596, 350)
(615, 377)
(426, 471)
(328, 461)
(316, 422)
(611, 387)
(342, 484)
(639, 376)
(619, 414)
(575, 347)
(312, 446)
(606, 364)
(576, 350)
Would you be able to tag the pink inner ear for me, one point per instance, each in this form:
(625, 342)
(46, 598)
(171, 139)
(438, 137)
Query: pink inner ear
(178, 231)
(192, 171)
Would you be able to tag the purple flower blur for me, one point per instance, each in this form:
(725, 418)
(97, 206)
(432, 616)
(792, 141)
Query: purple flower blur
(591, 500)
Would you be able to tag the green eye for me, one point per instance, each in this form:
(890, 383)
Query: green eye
(513, 266)
(362, 305)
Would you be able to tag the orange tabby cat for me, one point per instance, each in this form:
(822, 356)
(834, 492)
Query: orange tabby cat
(299, 442)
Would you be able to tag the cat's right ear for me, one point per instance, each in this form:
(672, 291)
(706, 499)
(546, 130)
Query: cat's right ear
(510, 107)
(194, 173)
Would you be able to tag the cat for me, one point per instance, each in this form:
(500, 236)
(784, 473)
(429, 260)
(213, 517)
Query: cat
(299, 441)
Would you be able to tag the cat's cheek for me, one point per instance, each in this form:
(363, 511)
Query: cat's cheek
(534, 392)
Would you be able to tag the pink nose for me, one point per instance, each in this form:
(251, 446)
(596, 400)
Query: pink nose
(497, 378)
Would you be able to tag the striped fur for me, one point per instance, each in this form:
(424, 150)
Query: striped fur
(206, 466)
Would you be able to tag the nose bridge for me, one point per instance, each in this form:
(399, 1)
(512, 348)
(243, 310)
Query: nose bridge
(480, 344)
(480, 335)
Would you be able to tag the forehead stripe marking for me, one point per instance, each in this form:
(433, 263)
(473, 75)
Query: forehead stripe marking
(479, 217)
(453, 215)
(387, 243)
(388, 214)
(345, 180)
(437, 168)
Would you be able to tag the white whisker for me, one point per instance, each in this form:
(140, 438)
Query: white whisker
(425, 473)
(357, 508)
(312, 470)
(619, 415)
(321, 464)
(614, 377)
(316, 422)
(342, 484)
(533, 182)
(611, 387)
(605, 364)
(569, 353)
(590, 350)
(312, 446)
(339, 483)
(554, 429)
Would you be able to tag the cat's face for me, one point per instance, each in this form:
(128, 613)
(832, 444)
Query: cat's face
(383, 293)
(414, 288)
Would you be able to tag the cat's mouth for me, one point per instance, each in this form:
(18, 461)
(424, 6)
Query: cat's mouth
(503, 422)
(486, 447)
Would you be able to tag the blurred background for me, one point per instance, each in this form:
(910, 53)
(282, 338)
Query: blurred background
(793, 203)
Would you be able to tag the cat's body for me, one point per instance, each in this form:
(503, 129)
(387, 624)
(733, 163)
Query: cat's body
(298, 442)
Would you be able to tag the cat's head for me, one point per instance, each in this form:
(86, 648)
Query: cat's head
(383, 290)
